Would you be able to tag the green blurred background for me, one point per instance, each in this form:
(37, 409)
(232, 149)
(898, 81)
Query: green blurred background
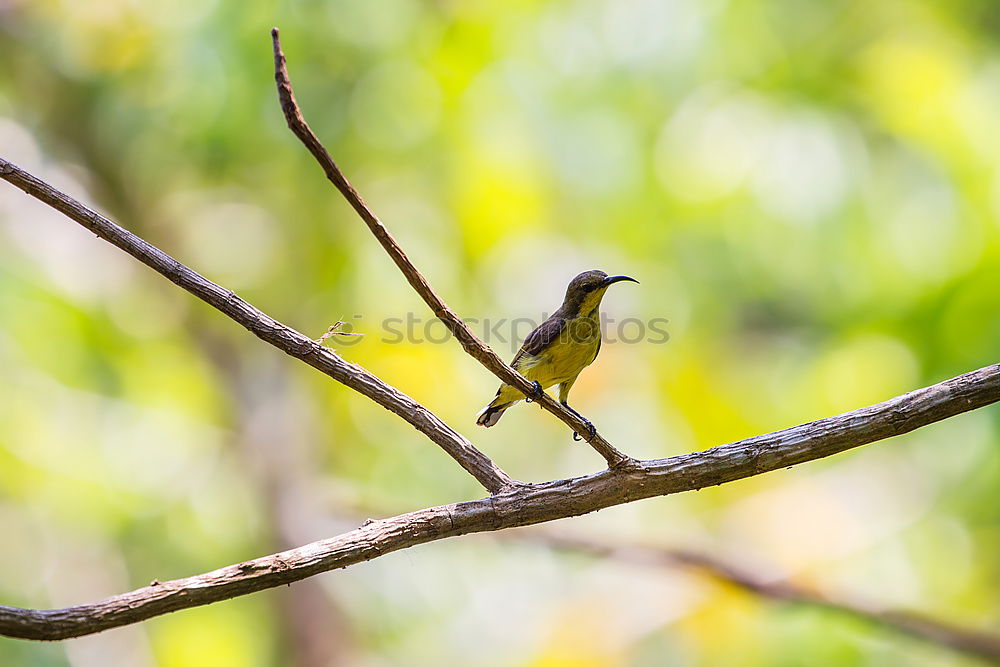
(808, 192)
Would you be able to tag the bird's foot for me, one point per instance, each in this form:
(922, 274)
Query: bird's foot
(536, 394)
(591, 431)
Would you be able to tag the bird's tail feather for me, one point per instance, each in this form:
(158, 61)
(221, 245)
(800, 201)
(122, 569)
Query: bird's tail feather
(491, 413)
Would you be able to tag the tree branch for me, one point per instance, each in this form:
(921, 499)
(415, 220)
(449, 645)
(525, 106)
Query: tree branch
(512, 504)
(973, 642)
(459, 329)
(521, 506)
(266, 328)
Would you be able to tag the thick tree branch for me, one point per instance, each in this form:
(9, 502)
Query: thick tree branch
(938, 632)
(267, 328)
(470, 342)
(521, 506)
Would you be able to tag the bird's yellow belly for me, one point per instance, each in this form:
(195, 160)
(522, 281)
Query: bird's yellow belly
(560, 362)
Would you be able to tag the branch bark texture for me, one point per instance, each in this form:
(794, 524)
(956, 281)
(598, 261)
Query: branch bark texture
(470, 342)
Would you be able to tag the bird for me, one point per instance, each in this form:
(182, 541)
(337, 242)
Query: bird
(559, 348)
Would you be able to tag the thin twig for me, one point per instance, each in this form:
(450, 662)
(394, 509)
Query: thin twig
(459, 329)
(522, 506)
(974, 642)
(334, 330)
(266, 328)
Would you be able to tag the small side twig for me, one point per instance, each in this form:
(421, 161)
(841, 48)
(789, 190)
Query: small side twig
(334, 330)
(458, 328)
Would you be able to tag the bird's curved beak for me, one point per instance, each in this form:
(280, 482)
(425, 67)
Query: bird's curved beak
(611, 280)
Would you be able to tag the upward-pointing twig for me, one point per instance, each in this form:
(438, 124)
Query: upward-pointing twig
(470, 342)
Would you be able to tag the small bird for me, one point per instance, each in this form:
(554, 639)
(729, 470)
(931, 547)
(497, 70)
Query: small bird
(560, 347)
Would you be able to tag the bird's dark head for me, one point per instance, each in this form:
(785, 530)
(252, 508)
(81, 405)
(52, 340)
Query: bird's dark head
(585, 291)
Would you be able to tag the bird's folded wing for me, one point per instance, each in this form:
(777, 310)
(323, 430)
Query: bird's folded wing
(539, 339)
